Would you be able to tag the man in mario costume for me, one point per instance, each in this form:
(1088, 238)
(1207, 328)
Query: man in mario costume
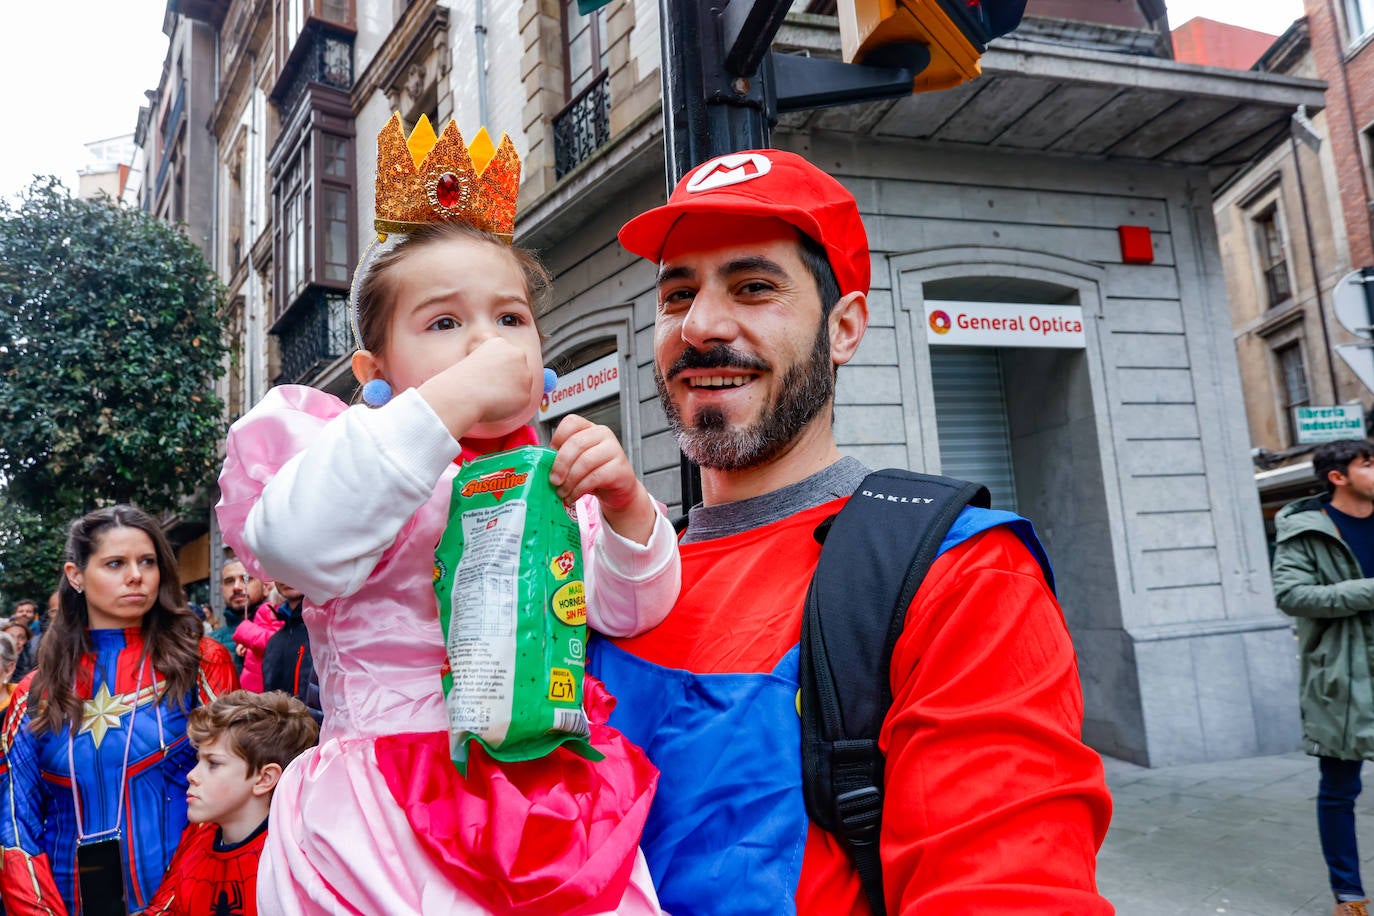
(992, 802)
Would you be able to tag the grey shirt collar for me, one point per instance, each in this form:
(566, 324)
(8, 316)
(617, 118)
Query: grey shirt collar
(705, 523)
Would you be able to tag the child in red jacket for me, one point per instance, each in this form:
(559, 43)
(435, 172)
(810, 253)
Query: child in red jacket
(243, 742)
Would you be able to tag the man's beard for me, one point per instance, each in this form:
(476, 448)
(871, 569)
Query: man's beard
(713, 443)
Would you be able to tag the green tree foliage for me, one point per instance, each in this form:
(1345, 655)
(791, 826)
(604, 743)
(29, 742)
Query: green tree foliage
(110, 341)
(31, 549)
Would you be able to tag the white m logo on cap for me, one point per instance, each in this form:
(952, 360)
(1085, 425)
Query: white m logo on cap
(727, 170)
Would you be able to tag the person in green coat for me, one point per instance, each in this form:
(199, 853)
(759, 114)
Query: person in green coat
(1324, 576)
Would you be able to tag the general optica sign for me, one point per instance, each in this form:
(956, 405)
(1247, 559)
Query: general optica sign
(584, 385)
(1003, 324)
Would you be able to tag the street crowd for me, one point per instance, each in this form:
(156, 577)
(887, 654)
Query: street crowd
(296, 756)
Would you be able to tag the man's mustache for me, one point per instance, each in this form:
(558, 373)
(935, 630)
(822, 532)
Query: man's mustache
(718, 357)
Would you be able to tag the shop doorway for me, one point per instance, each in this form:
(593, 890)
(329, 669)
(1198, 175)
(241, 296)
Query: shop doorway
(971, 416)
(1021, 420)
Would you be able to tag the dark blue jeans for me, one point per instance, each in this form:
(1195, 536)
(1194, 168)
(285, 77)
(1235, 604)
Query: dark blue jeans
(1336, 794)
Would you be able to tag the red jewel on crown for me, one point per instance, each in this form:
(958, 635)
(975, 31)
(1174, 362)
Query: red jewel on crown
(448, 191)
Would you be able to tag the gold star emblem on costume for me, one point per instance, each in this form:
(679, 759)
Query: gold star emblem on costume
(101, 713)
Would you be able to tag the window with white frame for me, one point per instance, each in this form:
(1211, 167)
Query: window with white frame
(1359, 18)
(1369, 149)
(234, 211)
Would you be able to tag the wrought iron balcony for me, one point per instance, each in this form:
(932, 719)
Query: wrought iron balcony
(320, 56)
(1276, 283)
(582, 126)
(313, 333)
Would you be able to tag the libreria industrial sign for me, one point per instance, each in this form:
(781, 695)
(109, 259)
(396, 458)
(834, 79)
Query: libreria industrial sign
(1003, 324)
(1327, 424)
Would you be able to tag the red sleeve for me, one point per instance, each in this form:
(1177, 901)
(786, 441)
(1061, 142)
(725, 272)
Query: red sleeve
(217, 673)
(25, 873)
(29, 886)
(990, 792)
(169, 901)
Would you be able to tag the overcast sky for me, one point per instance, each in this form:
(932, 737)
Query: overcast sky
(1272, 16)
(75, 71)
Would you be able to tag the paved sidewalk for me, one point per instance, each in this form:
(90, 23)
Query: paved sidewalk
(1237, 837)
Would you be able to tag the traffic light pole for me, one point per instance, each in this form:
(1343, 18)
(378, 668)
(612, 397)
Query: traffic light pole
(723, 89)
(706, 113)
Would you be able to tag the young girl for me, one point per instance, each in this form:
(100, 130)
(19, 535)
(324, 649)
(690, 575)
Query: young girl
(95, 740)
(348, 504)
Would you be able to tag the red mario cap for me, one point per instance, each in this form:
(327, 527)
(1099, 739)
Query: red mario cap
(764, 182)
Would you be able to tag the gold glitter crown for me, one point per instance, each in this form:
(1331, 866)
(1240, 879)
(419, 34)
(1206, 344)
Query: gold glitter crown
(429, 178)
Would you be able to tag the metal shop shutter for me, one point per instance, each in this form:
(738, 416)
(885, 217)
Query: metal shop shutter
(971, 416)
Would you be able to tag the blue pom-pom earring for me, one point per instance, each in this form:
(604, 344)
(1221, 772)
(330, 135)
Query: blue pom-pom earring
(376, 392)
(550, 380)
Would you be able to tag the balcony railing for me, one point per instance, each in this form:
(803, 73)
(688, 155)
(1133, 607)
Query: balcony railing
(170, 125)
(1276, 283)
(582, 126)
(327, 58)
(314, 334)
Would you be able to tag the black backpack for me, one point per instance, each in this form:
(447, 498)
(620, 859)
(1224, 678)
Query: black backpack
(876, 552)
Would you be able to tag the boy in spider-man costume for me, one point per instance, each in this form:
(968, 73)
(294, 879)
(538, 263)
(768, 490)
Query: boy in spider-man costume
(243, 742)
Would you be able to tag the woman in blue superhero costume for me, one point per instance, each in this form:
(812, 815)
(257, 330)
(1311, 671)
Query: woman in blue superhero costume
(94, 742)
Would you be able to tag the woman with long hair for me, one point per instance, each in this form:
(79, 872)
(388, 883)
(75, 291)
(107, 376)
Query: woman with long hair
(94, 792)
(9, 656)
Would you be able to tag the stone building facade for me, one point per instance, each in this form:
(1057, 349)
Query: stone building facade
(1343, 47)
(177, 150)
(1283, 246)
(1075, 177)
(1130, 453)
(1291, 226)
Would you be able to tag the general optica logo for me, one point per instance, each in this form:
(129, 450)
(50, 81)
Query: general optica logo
(939, 321)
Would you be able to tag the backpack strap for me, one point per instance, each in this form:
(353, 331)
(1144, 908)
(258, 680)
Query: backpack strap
(875, 555)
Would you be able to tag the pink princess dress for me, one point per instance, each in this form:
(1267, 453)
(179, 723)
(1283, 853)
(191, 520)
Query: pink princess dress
(347, 504)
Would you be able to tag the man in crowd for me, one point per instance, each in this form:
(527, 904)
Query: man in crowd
(1324, 576)
(243, 595)
(25, 612)
(992, 802)
(25, 615)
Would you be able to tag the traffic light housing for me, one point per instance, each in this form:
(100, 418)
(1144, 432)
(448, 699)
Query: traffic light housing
(955, 32)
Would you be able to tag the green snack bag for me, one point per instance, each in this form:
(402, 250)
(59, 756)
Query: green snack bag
(508, 576)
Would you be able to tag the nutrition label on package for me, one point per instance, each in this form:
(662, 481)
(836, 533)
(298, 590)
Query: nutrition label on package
(485, 583)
